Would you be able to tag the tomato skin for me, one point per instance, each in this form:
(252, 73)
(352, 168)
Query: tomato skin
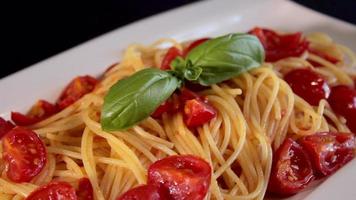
(76, 89)
(143, 192)
(171, 106)
(54, 190)
(186, 94)
(24, 154)
(329, 151)
(171, 54)
(40, 111)
(308, 85)
(85, 189)
(291, 169)
(193, 45)
(164, 107)
(5, 126)
(280, 46)
(182, 177)
(343, 101)
(197, 113)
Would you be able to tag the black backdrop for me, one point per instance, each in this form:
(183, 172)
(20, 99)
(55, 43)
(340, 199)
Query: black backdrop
(35, 30)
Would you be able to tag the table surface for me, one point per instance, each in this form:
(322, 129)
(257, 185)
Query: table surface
(37, 30)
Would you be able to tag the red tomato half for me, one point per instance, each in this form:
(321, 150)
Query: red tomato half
(329, 151)
(5, 126)
(280, 46)
(24, 154)
(197, 113)
(85, 190)
(143, 192)
(291, 169)
(308, 85)
(54, 191)
(193, 45)
(343, 101)
(182, 177)
(40, 111)
(77, 88)
(171, 54)
(171, 106)
(186, 94)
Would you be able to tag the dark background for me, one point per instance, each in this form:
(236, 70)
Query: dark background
(35, 30)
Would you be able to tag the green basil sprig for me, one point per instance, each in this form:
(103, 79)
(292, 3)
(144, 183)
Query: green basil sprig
(133, 99)
(224, 57)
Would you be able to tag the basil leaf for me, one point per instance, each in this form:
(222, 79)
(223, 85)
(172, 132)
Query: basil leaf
(192, 73)
(133, 99)
(225, 57)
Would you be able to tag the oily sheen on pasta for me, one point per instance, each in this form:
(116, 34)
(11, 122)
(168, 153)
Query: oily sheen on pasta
(255, 112)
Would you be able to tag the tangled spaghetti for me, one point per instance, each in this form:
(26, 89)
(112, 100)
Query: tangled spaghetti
(256, 112)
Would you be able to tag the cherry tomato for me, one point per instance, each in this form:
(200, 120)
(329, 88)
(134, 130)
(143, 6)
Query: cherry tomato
(54, 191)
(291, 169)
(196, 87)
(77, 88)
(329, 151)
(24, 154)
(193, 45)
(144, 192)
(85, 190)
(197, 113)
(171, 54)
(280, 46)
(164, 107)
(343, 101)
(171, 106)
(40, 111)
(182, 177)
(5, 126)
(186, 94)
(323, 55)
(308, 85)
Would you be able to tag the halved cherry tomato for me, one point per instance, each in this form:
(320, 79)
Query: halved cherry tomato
(171, 106)
(164, 107)
(144, 192)
(280, 46)
(5, 126)
(85, 189)
(186, 94)
(197, 113)
(40, 111)
(323, 55)
(171, 54)
(77, 88)
(182, 177)
(343, 101)
(195, 86)
(194, 44)
(291, 169)
(308, 85)
(329, 151)
(54, 191)
(24, 154)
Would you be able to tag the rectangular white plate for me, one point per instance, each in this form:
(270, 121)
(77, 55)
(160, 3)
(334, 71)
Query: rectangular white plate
(208, 18)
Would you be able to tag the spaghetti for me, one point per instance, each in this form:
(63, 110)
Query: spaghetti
(256, 112)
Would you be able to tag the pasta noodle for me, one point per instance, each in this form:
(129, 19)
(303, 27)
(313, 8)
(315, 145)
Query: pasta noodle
(256, 112)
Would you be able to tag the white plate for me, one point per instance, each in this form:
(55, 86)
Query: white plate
(209, 18)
